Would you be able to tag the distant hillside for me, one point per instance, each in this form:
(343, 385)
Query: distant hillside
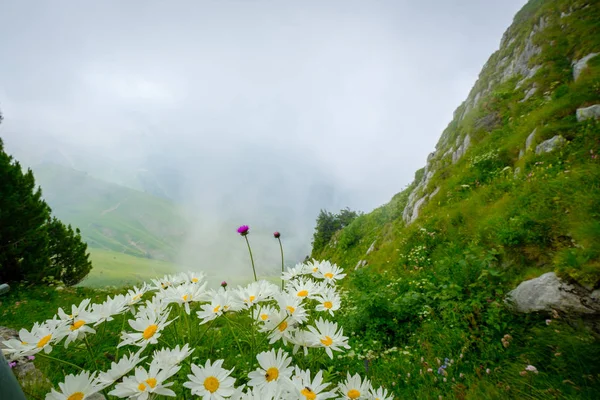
(113, 217)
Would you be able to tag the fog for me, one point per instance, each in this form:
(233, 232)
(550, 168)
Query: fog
(250, 112)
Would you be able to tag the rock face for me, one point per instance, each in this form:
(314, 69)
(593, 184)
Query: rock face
(530, 140)
(588, 112)
(550, 144)
(580, 65)
(547, 292)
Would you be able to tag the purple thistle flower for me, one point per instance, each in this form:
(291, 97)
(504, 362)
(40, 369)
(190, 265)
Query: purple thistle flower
(243, 230)
(12, 364)
(276, 234)
(224, 284)
(31, 358)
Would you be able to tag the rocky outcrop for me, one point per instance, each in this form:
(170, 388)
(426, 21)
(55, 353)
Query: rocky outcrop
(530, 139)
(548, 292)
(588, 112)
(580, 65)
(371, 247)
(550, 145)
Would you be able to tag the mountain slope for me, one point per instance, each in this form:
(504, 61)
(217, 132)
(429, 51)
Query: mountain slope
(511, 191)
(113, 217)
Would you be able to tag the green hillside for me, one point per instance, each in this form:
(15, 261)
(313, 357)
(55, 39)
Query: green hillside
(512, 191)
(112, 217)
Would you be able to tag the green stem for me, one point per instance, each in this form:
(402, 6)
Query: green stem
(251, 258)
(89, 348)
(281, 248)
(271, 331)
(204, 333)
(122, 328)
(59, 360)
(235, 337)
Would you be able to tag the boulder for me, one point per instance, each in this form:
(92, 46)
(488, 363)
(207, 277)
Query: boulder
(530, 140)
(548, 292)
(371, 247)
(580, 65)
(588, 112)
(550, 145)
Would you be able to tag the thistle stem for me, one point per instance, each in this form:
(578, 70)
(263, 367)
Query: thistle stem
(281, 248)
(251, 258)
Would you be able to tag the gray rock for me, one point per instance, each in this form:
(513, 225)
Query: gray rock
(547, 292)
(530, 139)
(517, 171)
(528, 94)
(437, 189)
(488, 122)
(580, 65)
(521, 153)
(588, 112)
(372, 247)
(361, 263)
(550, 145)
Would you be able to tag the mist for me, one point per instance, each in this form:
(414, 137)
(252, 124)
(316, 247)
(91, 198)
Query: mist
(247, 112)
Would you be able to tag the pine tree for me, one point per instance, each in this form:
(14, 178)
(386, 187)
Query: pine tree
(69, 258)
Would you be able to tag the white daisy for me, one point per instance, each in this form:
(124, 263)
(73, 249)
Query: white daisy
(143, 383)
(41, 337)
(293, 306)
(291, 273)
(78, 321)
(75, 387)
(330, 273)
(264, 313)
(302, 288)
(310, 389)
(119, 369)
(302, 339)
(380, 394)
(326, 335)
(274, 369)
(134, 295)
(112, 306)
(329, 301)
(148, 325)
(184, 294)
(212, 382)
(220, 304)
(278, 327)
(170, 357)
(354, 388)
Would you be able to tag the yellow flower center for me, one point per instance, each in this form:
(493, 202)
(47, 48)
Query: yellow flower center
(24, 343)
(141, 387)
(216, 309)
(225, 308)
(315, 269)
(272, 374)
(309, 394)
(136, 297)
(149, 331)
(186, 297)
(194, 280)
(264, 317)
(303, 293)
(328, 275)
(76, 396)
(44, 341)
(290, 309)
(77, 324)
(327, 341)
(211, 384)
(328, 305)
(252, 298)
(282, 326)
(354, 394)
(151, 382)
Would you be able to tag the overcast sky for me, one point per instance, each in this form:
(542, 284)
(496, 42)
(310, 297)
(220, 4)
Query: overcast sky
(348, 94)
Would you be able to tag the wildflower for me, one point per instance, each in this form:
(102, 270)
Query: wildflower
(329, 301)
(31, 358)
(134, 295)
(119, 369)
(223, 284)
(330, 273)
(326, 335)
(279, 327)
(243, 230)
(302, 339)
(264, 313)
(354, 387)
(212, 382)
(184, 294)
(41, 337)
(78, 321)
(12, 364)
(144, 383)
(303, 288)
(276, 235)
(112, 306)
(487, 371)
(148, 325)
(291, 273)
(548, 321)
(531, 368)
(274, 369)
(310, 389)
(381, 394)
(220, 303)
(171, 357)
(292, 305)
(75, 387)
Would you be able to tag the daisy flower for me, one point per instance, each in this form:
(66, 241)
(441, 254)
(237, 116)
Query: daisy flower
(302, 339)
(293, 306)
(134, 295)
(184, 294)
(354, 388)
(144, 383)
(279, 327)
(326, 335)
(171, 357)
(212, 382)
(274, 368)
(264, 313)
(148, 325)
(119, 369)
(41, 337)
(329, 301)
(78, 321)
(221, 303)
(112, 306)
(330, 273)
(310, 389)
(75, 387)
(195, 277)
(302, 288)
(380, 394)
(294, 272)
